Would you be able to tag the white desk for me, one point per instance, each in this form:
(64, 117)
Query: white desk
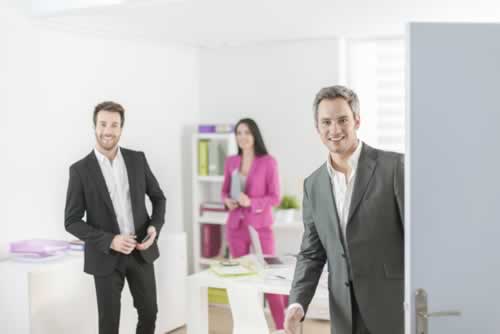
(198, 284)
(37, 297)
(57, 297)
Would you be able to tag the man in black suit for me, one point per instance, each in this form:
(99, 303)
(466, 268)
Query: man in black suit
(108, 187)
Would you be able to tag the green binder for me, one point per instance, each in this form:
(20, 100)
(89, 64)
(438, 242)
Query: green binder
(203, 157)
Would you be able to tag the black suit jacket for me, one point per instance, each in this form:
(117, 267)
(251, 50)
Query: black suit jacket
(88, 195)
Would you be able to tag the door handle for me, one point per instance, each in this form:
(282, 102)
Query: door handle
(440, 314)
(422, 315)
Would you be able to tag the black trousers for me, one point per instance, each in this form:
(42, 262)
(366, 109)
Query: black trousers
(358, 325)
(140, 277)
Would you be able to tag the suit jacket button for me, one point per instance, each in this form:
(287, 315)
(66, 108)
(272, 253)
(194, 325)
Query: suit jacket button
(344, 256)
(347, 283)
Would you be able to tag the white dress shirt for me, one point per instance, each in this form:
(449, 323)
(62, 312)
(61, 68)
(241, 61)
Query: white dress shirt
(343, 186)
(342, 189)
(116, 177)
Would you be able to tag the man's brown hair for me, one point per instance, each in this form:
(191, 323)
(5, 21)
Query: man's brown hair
(112, 107)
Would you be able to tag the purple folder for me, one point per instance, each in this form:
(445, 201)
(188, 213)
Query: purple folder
(38, 247)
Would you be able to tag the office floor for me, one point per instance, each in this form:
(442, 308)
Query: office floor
(220, 322)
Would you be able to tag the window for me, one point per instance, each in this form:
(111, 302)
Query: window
(375, 69)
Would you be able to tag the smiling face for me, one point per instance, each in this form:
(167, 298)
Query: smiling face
(244, 137)
(337, 127)
(107, 130)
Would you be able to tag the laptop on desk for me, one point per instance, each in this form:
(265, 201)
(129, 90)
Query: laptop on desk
(268, 261)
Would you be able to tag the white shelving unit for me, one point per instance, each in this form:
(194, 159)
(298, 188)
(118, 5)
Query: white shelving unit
(208, 189)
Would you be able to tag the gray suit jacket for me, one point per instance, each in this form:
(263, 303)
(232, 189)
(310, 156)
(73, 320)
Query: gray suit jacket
(375, 245)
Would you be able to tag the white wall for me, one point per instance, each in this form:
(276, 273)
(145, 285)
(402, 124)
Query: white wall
(55, 79)
(274, 84)
(3, 126)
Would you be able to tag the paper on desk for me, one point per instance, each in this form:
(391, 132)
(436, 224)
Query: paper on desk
(280, 273)
(287, 274)
(229, 271)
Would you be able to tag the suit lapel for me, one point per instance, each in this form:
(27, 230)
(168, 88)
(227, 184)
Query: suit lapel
(364, 173)
(327, 200)
(131, 170)
(98, 177)
(250, 173)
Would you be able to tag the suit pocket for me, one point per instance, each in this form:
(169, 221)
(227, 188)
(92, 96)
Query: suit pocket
(394, 271)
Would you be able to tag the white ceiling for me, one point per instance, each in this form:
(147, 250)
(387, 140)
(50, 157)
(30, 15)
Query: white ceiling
(212, 23)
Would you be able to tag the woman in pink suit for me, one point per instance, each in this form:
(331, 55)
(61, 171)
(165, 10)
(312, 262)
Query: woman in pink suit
(258, 177)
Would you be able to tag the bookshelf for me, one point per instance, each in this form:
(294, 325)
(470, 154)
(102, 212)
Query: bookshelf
(207, 185)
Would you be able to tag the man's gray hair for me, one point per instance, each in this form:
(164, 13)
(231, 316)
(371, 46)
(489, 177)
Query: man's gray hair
(333, 92)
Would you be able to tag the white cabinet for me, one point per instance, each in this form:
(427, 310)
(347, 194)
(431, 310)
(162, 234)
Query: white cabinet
(171, 273)
(57, 297)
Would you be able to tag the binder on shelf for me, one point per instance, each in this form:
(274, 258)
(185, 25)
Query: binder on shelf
(203, 157)
(211, 240)
(221, 156)
(213, 158)
(223, 128)
(215, 128)
(206, 128)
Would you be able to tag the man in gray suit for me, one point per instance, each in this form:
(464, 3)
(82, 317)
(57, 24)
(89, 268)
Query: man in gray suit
(353, 214)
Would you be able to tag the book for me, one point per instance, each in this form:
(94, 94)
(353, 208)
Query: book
(203, 157)
(213, 158)
(215, 128)
(211, 240)
(221, 155)
(206, 128)
(223, 128)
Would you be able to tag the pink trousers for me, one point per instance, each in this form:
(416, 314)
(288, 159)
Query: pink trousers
(239, 245)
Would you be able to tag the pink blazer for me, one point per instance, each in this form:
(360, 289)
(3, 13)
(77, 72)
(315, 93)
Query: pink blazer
(262, 187)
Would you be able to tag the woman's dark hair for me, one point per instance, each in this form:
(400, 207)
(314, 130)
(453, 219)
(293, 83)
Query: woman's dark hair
(259, 146)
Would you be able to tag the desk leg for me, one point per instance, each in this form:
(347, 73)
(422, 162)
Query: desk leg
(15, 303)
(197, 300)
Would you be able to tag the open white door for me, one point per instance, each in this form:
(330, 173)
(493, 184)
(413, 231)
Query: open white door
(453, 178)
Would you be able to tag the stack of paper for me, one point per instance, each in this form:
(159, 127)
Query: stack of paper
(231, 271)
